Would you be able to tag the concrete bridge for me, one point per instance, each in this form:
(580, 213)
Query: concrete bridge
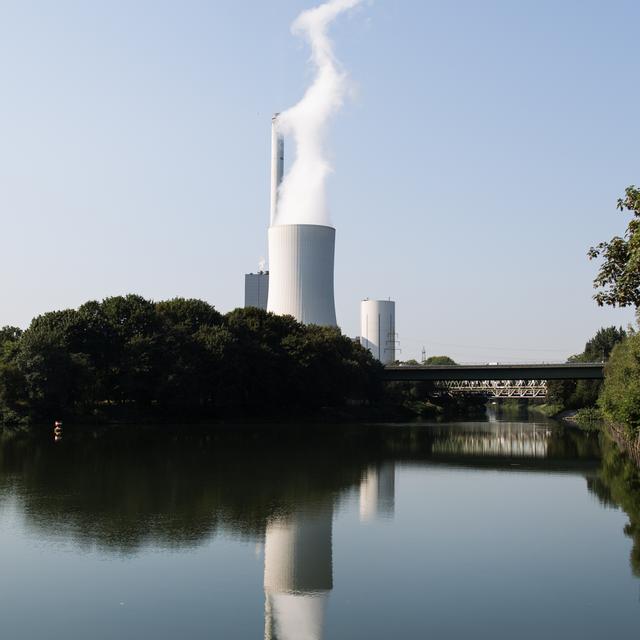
(443, 373)
(495, 380)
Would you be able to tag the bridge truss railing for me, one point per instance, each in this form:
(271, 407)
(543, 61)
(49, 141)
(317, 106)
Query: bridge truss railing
(497, 388)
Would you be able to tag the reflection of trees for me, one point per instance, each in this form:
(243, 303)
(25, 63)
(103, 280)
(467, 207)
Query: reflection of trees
(618, 483)
(122, 492)
(124, 488)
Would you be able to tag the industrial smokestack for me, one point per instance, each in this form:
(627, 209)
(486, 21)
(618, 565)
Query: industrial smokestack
(277, 164)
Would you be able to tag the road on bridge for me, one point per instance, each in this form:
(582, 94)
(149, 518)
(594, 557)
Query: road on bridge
(441, 373)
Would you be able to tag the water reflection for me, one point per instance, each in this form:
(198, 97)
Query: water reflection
(298, 574)
(507, 439)
(378, 491)
(124, 491)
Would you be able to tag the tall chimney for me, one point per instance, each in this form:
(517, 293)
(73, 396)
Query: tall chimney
(277, 164)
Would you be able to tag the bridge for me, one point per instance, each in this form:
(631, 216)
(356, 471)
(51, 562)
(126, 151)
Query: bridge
(496, 380)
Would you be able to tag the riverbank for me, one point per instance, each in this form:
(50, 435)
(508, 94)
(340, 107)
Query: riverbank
(629, 444)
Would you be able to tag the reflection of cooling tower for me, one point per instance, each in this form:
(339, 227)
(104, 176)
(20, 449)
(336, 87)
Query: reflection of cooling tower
(297, 575)
(377, 491)
(301, 272)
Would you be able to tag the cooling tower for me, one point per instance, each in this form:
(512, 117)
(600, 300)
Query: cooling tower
(301, 272)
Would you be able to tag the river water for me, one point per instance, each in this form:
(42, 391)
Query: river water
(486, 529)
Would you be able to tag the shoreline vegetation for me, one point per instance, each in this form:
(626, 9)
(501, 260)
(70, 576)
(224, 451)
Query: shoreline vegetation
(611, 405)
(128, 359)
(131, 360)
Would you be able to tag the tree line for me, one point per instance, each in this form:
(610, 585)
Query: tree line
(131, 358)
(618, 284)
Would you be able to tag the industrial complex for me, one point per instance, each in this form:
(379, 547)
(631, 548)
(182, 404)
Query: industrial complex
(300, 279)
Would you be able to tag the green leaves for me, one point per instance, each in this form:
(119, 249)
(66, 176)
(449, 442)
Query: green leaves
(128, 358)
(620, 398)
(619, 276)
(440, 360)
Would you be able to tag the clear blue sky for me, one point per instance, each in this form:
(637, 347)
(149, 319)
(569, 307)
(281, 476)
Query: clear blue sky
(480, 156)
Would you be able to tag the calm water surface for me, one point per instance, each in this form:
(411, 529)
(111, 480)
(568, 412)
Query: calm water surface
(488, 529)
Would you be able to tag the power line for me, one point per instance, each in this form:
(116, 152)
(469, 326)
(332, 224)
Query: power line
(487, 347)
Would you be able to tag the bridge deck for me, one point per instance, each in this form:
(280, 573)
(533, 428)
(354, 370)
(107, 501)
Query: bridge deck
(439, 373)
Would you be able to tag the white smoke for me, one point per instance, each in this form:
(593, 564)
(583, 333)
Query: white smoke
(302, 198)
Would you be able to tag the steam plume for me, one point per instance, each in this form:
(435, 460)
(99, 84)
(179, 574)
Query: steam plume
(302, 198)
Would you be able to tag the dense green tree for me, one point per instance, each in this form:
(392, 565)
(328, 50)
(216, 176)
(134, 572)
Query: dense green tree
(186, 367)
(9, 335)
(620, 398)
(440, 360)
(11, 381)
(619, 276)
(601, 345)
(577, 394)
(130, 358)
(188, 315)
(56, 376)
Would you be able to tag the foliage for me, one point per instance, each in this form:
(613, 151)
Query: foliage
(589, 418)
(131, 358)
(599, 348)
(10, 379)
(440, 360)
(619, 276)
(620, 398)
(426, 399)
(576, 394)
(618, 484)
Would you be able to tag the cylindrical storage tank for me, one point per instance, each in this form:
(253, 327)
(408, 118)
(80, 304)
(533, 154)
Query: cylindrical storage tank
(301, 272)
(378, 328)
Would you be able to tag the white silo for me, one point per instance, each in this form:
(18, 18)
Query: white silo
(298, 574)
(301, 258)
(378, 328)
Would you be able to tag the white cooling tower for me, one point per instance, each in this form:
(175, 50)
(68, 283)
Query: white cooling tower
(301, 272)
(378, 329)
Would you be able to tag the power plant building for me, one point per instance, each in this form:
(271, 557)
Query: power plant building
(378, 329)
(301, 258)
(256, 289)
